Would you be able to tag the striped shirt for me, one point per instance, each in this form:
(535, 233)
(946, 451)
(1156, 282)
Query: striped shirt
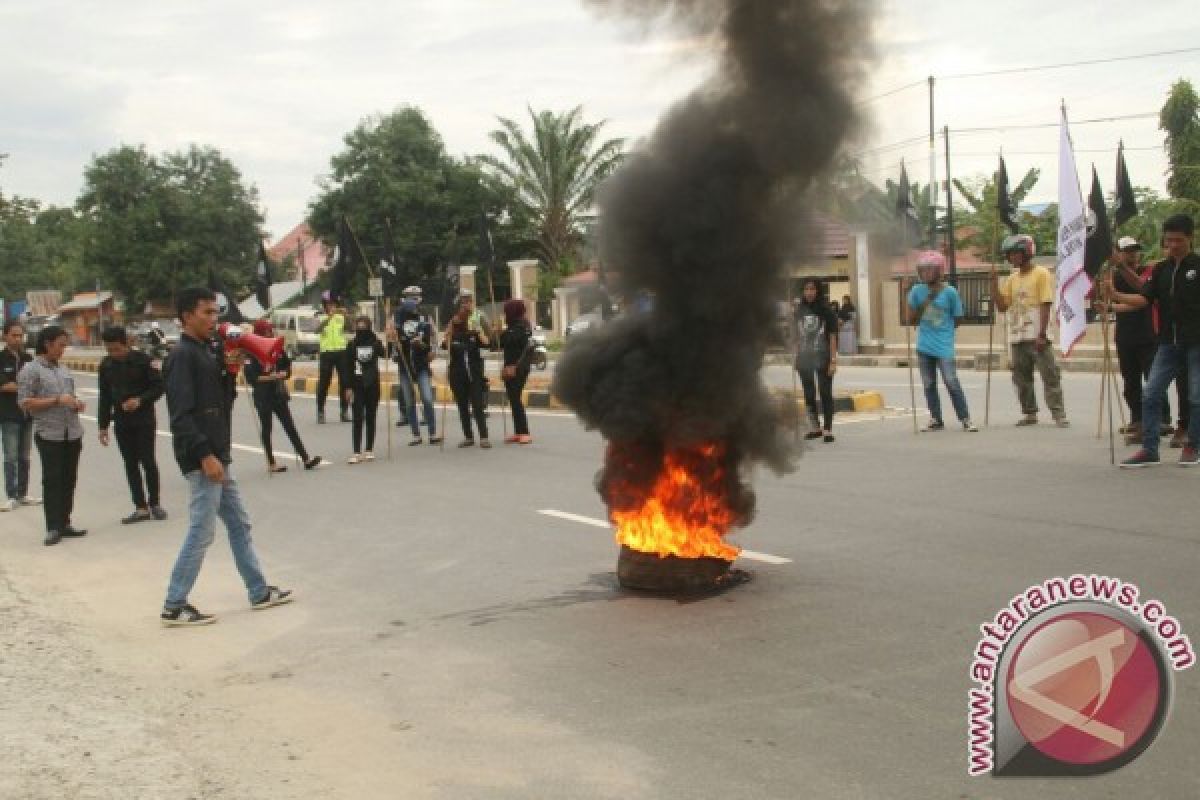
(41, 379)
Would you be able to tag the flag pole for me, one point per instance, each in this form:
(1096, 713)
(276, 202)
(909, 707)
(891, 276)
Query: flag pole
(387, 311)
(912, 387)
(790, 344)
(987, 402)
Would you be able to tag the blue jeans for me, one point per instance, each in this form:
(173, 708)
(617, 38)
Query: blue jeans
(929, 367)
(17, 440)
(208, 501)
(1168, 362)
(425, 384)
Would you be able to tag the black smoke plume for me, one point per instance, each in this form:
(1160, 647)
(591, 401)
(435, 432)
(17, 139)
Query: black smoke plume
(705, 215)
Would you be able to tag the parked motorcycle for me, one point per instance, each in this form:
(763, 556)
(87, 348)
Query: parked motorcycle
(538, 360)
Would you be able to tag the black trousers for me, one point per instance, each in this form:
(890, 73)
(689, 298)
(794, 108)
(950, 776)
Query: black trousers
(268, 409)
(136, 443)
(366, 408)
(814, 380)
(60, 469)
(513, 387)
(329, 362)
(468, 395)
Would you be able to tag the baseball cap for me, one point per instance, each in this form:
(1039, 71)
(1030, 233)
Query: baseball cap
(1128, 243)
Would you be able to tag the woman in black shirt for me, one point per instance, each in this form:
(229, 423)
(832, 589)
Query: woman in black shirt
(271, 399)
(816, 356)
(515, 342)
(363, 353)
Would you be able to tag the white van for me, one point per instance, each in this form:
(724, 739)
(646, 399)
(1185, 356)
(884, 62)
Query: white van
(298, 327)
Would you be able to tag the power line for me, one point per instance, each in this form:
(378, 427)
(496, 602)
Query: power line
(1050, 152)
(1089, 62)
(891, 92)
(1095, 120)
(1038, 68)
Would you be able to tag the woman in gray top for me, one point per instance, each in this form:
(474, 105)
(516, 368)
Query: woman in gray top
(46, 391)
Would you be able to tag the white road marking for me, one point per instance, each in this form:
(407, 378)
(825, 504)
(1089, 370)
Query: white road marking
(751, 555)
(243, 447)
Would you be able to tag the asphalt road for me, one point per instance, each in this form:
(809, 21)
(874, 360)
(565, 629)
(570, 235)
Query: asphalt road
(451, 641)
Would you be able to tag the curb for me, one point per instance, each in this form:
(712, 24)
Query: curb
(533, 398)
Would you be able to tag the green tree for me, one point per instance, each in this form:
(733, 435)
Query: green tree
(1180, 120)
(1153, 210)
(553, 171)
(394, 168)
(40, 248)
(158, 224)
(983, 219)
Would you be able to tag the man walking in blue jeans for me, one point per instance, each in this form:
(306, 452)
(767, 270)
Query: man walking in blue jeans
(200, 431)
(1174, 287)
(937, 308)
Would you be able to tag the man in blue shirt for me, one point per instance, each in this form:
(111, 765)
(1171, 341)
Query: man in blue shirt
(938, 310)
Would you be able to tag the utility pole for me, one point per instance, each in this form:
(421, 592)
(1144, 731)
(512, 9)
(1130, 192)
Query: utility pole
(933, 184)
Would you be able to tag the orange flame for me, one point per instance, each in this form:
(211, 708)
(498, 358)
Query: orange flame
(686, 511)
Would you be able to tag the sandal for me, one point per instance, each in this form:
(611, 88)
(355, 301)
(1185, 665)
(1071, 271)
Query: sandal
(467, 443)
(278, 468)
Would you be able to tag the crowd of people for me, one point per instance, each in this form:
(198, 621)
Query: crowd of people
(1157, 338)
(1156, 308)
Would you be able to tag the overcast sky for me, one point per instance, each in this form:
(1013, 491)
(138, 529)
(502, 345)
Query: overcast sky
(275, 85)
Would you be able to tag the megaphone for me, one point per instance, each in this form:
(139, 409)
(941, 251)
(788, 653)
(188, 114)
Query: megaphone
(266, 351)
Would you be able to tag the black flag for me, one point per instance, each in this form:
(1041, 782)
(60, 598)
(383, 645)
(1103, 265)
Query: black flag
(487, 248)
(343, 263)
(262, 279)
(1004, 203)
(905, 208)
(227, 306)
(389, 266)
(1125, 205)
(1099, 246)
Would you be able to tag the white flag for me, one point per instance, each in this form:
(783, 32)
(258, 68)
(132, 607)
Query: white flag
(1073, 282)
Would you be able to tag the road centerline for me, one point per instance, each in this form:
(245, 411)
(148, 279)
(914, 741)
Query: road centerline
(750, 555)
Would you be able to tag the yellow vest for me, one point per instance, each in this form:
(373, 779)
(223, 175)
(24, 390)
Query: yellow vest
(333, 336)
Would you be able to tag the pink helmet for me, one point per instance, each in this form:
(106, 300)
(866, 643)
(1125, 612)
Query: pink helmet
(931, 263)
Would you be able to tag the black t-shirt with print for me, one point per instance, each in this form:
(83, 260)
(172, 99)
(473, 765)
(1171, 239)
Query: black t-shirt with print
(814, 326)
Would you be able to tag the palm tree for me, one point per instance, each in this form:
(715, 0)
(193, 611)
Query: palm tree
(554, 171)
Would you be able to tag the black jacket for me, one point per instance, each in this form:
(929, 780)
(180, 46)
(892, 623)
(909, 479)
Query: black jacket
(133, 376)
(197, 404)
(10, 365)
(267, 393)
(1176, 289)
(514, 341)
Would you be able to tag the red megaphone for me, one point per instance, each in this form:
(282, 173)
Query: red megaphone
(265, 350)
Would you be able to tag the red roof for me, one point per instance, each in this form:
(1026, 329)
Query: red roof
(308, 250)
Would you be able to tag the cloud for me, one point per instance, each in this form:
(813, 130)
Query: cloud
(275, 85)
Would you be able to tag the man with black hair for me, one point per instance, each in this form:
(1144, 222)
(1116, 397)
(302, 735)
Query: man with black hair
(1174, 288)
(16, 428)
(46, 392)
(130, 385)
(201, 437)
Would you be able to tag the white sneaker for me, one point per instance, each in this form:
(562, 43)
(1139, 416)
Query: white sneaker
(368, 456)
(29, 501)
(354, 459)
(9, 505)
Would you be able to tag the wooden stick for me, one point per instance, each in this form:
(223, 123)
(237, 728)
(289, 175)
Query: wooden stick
(912, 387)
(987, 401)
